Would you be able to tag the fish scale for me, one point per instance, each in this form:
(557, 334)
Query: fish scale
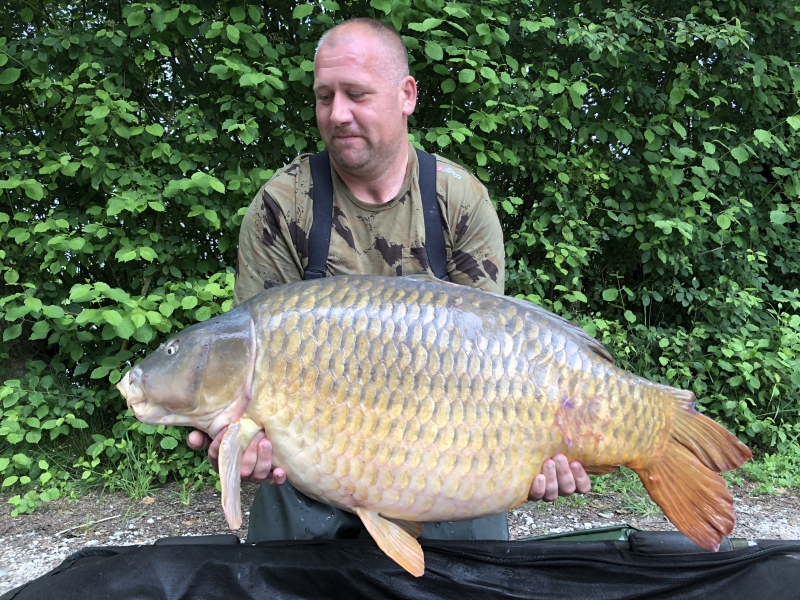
(407, 400)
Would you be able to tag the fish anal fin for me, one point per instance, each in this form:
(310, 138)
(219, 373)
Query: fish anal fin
(395, 542)
(236, 438)
(412, 528)
(600, 469)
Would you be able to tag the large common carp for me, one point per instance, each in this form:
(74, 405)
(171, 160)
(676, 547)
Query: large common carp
(406, 400)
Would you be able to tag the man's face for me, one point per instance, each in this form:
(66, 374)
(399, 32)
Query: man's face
(361, 109)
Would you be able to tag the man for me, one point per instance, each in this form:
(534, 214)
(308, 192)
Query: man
(364, 95)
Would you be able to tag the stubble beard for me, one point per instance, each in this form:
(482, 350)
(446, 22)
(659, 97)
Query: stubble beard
(367, 162)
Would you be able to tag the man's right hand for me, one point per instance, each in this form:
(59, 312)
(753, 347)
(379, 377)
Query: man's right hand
(256, 459)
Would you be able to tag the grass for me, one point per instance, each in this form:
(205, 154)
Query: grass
(135, 477)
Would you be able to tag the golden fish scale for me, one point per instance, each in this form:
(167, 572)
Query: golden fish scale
(430, 402)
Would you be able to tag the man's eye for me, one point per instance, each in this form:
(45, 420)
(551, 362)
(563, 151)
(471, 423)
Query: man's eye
(356, 96)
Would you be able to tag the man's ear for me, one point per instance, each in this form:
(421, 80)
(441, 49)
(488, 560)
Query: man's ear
(408, 94)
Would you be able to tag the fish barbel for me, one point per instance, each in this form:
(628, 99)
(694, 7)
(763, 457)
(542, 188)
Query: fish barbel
(407, 400)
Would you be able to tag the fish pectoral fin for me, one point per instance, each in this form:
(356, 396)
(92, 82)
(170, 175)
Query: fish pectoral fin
(600, 469)
(235, 440)
(412, 528)
(396, 543)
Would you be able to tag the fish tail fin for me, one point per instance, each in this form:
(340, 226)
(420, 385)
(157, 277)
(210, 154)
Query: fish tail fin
(235, 440)
(683, 481)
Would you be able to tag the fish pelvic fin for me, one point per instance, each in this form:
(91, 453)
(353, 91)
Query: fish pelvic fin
(683, 481)
(238, 435)
(395, 542)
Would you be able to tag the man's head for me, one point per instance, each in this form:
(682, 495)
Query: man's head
(364, 95)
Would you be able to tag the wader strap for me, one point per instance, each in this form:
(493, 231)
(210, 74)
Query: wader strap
(319, 238)
(434, 223)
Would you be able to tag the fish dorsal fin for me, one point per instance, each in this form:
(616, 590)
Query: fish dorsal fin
(423, 277)
(582, 338)
(412, 528)
(394, 541)
(239, 434)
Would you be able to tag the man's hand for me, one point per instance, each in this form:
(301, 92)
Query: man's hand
(256, 460)
(559, 479)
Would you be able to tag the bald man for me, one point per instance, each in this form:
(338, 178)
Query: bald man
(364, 95)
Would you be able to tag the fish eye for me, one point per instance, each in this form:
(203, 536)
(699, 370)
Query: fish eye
(172, 348)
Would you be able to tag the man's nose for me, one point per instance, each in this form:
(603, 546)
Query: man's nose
(340, 109)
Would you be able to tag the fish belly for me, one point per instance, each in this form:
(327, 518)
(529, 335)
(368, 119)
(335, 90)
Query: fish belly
(428, 402)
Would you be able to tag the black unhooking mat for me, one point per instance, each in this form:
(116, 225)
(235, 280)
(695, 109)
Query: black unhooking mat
(459, 570)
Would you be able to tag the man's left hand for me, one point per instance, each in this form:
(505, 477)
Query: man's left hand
(559, 478)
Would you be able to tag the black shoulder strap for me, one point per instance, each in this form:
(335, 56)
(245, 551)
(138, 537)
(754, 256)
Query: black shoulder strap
(319, 238)
(434, 222)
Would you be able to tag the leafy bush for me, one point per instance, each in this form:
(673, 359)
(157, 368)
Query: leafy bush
(643, 159)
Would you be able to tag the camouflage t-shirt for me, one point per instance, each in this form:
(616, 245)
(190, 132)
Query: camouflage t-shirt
(369, 239)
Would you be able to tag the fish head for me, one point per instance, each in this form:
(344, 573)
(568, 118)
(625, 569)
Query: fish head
(201, 377)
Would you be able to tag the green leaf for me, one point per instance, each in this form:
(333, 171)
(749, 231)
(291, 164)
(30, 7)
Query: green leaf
(40, 330)
(724, 221)
(203, 313)
(13, 332)
(426, 25)
(676, 95)
(624, 136)
(580, 88)
(382, 5)
(794, 122)
(610, 294)
(54, 312)
(147, 253)
(466, 76)
(765, 137)
(710, 164)
(780, 218)
(629, 316)
(22, 460)
(112, 317)
(740, 154)
(189, 302)
(9, 76)
(434, 51)
(125, 329)
(216, 184)
(33, 190)
(679, 129)
(136, 18)
(99, 112)
(169, 442)
(237, 14)
(448, 86)
(155, 129)
(302, 11)
(233, 33)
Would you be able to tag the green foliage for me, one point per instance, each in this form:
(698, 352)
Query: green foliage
(644, 161)
(773, 471)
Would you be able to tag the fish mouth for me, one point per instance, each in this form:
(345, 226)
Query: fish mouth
(130, 388)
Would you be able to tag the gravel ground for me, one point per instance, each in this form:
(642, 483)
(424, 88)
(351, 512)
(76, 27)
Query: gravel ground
(31, 545)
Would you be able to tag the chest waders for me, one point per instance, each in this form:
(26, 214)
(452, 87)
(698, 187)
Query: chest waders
(283, 513)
